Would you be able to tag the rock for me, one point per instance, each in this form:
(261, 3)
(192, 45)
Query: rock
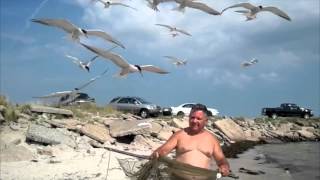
(140, 142)
(133, 127)
(232, 130)
(252, 135)
(50, 110)
(180, 123)
(155, 129)
(96, 132)
(16, 153)
(45, 151)
(305, 134)
(48, 136)
(164, 135)
(1, 118)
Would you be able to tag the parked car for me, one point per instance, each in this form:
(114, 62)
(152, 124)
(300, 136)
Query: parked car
(82, 98)
(287, 109)
(184, 110)
(135, 105)
(166, 111)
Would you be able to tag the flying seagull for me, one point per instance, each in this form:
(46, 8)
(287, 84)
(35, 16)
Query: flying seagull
(195, 5)
(153, 4)
(174, 30)
(108, 3)
(249, 63)
(75, 31)
(66, 97)
(126, 68)
(252, 11)
(176, 61)
(83, 65)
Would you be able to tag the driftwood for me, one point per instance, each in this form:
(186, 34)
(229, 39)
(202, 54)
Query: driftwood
(127, 153)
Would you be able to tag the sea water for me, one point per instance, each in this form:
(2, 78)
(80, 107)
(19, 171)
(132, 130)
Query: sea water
(301, 160)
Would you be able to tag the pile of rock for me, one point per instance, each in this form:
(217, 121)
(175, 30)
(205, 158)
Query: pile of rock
(35, 136)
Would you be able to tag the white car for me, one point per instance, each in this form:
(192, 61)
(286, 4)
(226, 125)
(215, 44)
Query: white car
(184, 110)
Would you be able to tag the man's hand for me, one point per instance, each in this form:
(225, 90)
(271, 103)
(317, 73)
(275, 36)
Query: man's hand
(154, 155)
(224, 170)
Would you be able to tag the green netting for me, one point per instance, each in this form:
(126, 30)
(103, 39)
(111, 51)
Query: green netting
(166, 168)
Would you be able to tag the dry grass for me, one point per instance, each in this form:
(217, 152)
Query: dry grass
(84, 110)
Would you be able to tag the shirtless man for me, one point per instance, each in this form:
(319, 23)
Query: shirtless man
(194, 145)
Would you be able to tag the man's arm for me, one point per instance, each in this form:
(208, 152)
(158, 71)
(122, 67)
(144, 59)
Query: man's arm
(168, 146)
(221, 161)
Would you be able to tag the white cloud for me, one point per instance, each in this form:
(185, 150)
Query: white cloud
(272, 76)
(18, 38)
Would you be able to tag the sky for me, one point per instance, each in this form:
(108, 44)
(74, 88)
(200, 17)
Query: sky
(33, 61)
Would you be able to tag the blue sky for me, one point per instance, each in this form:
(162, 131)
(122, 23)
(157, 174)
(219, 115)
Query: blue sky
(33, 61)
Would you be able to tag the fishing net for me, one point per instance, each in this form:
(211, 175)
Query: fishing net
(164, 168)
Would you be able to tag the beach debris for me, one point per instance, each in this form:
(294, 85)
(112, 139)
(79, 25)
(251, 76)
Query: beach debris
(97, 132)
(231, 129)
(48, 136)
(126, 68)
(75, 31)
(252, 11)
(251, 172)
(124, 128)
(50, 110)
(174, 30)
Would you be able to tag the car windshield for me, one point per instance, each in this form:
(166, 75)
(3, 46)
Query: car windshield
(143, 101)
(83, 96)
(114, 99)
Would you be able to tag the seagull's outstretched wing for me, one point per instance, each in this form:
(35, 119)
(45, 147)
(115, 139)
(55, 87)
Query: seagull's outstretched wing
(74, 59)
(91, 80)
(246, 64)
(254, 61)
(154, 69)
(91, 60)
(115, 58)
(183, 32)
(276, 11)
(104, 36)
(172, 58)
(166, 26)
(60, 23)
(56, 94)
(122, 4)
(244, 5)
(202, 7)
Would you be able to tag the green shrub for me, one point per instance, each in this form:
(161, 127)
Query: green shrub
(3, 101)
(11, 114)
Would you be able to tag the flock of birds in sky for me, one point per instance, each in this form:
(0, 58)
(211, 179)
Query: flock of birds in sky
(75, 33)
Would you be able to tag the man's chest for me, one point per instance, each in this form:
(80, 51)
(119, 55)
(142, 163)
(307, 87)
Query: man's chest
(195, 143)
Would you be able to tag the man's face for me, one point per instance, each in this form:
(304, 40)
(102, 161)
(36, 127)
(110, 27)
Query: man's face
(197, 121)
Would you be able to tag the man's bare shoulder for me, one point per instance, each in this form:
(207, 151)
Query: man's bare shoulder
(211, 135)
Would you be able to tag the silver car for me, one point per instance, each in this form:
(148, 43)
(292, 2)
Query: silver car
(135, 105)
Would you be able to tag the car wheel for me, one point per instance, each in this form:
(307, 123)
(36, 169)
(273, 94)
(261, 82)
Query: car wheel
(144, 113)
(306, 116)
(180, 114)
(274, 116)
